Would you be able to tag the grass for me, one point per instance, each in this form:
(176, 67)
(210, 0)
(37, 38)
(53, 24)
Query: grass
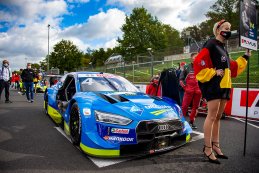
(142, 72)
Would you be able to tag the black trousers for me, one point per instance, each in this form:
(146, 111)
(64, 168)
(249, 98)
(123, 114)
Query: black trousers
(4, 85)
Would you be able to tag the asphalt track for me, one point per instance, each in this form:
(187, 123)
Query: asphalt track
(31, 142)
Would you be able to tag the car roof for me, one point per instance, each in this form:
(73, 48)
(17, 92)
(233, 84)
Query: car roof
(52, 75)
(85, 72)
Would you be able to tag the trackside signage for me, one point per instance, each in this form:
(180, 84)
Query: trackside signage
(248, 43)
(239, 103)
(248, 24)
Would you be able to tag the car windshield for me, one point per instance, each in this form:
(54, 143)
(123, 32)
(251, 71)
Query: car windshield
(105, 82)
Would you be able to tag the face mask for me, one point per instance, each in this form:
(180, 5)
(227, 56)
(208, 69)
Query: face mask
(5, 64)
(29, 67)
(225, 34)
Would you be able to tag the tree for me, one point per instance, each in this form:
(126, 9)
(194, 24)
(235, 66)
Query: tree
(43, 65)
(65, 56)
(221, 9)
(86, 59)
(98, 57)
(195, 32)
(225, 9)
(35, 66)
(141, 31)
(174, 44)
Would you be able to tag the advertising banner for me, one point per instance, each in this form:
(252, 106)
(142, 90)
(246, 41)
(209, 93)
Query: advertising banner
(248, 24)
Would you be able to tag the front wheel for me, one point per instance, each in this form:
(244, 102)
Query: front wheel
(75, 125)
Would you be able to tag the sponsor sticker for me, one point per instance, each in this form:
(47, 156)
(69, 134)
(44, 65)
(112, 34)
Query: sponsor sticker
(159, 112)
(136, 110)
(116, 138)
(96, 75)
(203, 63)
(120, 131)
(87, 111)
(153, 106)
(223, 59)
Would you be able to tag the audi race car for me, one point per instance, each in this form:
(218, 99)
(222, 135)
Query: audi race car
(106, 116)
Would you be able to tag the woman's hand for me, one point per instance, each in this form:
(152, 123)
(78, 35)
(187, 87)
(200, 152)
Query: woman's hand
(248, 52)
(220, 72)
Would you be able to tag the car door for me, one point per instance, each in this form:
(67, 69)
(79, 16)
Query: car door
(66, 93)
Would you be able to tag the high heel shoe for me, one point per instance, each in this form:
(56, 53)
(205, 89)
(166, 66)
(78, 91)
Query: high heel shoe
(220, 156)
(216, 161)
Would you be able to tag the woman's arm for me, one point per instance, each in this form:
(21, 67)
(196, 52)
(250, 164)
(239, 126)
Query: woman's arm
(239, 65)
(203, 68)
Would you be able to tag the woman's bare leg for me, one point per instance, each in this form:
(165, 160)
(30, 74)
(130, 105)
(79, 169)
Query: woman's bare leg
(216, 126)
(213, 107)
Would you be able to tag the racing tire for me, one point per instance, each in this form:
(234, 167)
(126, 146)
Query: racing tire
(75, 125)
(46, 103)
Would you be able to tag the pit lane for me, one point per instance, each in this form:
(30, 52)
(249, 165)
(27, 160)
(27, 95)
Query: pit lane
(30, 142)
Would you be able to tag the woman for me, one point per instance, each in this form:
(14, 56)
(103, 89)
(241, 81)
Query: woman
(213, 69)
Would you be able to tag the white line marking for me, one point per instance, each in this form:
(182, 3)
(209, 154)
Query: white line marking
(251, 120)
(97, 161)
(107, 162)
(63, 133)
(198, 137)
(245, 122)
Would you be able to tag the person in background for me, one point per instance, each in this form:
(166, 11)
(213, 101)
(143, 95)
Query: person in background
(213, 69)
(27, 78)
(192, 93)
(16, 81)
(178, 72)
(21, 83)
(35, 80)
(152, 88)
(12, 81)
(5, 76)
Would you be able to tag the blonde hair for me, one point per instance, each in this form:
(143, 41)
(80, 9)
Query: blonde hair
(218, 25)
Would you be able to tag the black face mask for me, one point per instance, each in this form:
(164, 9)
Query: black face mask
(225, 34)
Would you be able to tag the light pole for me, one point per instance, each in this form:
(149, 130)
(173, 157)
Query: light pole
(152, 59)
(48, 49)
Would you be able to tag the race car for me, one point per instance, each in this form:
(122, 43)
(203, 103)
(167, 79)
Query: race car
(107, 116)
(40, 87)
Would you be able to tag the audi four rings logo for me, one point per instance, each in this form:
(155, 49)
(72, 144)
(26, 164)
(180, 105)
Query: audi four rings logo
(163, 127)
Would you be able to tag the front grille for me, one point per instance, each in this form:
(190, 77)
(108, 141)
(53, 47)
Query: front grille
(157, 145)
(149, 130)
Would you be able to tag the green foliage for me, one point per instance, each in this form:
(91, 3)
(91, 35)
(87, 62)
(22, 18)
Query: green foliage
(141, 31)
(225, 9)
(65, 56)
(35, 66)
(195, 33)
(221, 9)
(173, 40)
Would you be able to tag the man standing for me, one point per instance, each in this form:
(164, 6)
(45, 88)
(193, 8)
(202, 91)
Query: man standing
(27, 78)
(5, 75)
(192, 93)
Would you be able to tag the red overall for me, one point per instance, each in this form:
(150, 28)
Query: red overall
(192, 92)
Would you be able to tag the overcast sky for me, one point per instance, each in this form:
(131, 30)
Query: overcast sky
(88, 23)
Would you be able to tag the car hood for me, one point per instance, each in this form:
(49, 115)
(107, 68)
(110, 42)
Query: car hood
(136, 105)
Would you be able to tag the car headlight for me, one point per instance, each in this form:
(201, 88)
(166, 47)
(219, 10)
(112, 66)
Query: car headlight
(111, 118)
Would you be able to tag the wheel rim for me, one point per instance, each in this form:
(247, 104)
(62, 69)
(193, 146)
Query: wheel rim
(75, 125)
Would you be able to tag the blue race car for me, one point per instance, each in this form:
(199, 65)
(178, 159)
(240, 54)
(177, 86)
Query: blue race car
(106, 116)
